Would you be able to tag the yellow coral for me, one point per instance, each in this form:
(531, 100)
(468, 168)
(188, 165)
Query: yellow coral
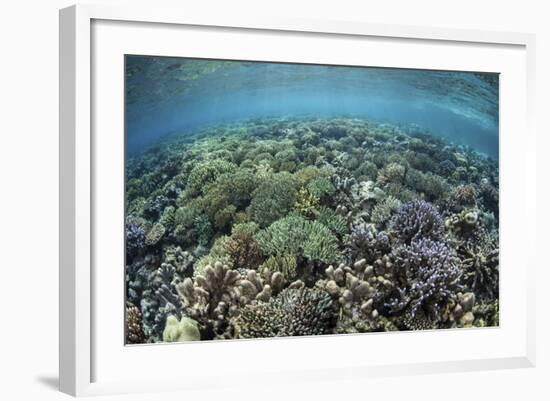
(307, 203)
(185, 329)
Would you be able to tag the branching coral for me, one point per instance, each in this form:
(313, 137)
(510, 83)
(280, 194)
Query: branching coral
(427, 277)
(285, 264)
(135, 235)
(294, 235)
(321, 188)
(181, 260)
(464, 225)
(383, 211)
(211, 298)
(356, 290)
(294, 312)
(159, 299)
(285, 236)
(333, 221)
(307, 203)
(321, 244)
(480, 262)
(416, 220)
(392, 172)
(244, 251)
(463, 196)
(366, 242)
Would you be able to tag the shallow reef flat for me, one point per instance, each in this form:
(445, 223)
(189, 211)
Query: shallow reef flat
(309, 226)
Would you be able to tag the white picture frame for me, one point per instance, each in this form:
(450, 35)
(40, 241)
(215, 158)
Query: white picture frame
(88, 366)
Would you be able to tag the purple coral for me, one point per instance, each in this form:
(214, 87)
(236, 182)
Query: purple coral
(135, 236)
(428, 276)
(365, 242)
(416, 220)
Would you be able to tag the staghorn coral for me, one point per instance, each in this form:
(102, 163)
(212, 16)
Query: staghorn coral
(320, 245)
(366, 242)
(294, 235)
(427, 278)
(416, 220)
(334, 222)
(285, 236)
(294, 312)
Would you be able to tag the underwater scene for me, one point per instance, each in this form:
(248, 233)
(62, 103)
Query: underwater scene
(277, 199)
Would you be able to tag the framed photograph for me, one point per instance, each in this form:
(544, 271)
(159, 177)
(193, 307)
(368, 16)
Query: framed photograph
(241, 194)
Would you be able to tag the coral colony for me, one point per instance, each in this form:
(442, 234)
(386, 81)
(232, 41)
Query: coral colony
(308, 226)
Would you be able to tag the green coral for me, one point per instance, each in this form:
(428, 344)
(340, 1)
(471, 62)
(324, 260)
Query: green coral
(205, 174)
(285, 264)
(320, 244)
(334, 222)
(285, 236)
(273, 199)
(294, 235)
(307, 203)
(203, 229)
(321, 187)
(249, 228)
(382, 211)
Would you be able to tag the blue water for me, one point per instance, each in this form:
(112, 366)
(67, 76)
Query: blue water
(166, 96)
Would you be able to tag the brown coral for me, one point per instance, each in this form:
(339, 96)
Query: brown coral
(211, 298)
(244, 251)
(134, 331)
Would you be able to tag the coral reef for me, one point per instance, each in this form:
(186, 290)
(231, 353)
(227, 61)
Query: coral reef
(302, 226)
